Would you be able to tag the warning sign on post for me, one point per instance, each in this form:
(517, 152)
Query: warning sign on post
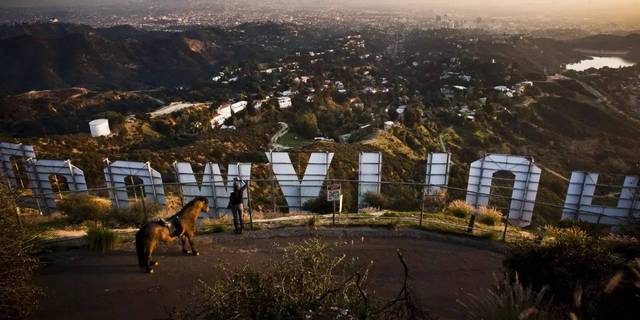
(333, 192)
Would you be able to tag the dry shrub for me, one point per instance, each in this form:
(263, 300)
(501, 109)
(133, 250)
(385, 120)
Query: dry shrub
(18, 294)
(509, 300)
(313, 223)
(220, 224)
(309, 281)
(436, 202)
(82, 207)
(459, 208)
(136, 214)
(489, 216)
(369, 210)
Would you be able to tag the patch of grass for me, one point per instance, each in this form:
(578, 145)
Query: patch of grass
(489, 235)
(394, 225)
(396, 214)
(217, 228)
(101, 239)
(489, 216)
(54, 223)
(459, 208)
(82, 207)
(292, 140)
(257, 226)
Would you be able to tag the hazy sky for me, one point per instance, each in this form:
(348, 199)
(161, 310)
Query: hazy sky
(627, 10)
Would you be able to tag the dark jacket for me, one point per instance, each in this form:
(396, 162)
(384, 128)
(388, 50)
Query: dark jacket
(236, 195)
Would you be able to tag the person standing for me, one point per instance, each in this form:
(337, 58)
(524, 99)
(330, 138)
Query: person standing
(236, 203)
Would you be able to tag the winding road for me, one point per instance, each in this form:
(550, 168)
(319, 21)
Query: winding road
(284, 128)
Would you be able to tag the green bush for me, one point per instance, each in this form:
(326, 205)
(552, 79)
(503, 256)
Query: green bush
(319, 204)
(306, 124)
(577, 267)
(376, 200)
(101, 239)
(459, 208)
(83, 207)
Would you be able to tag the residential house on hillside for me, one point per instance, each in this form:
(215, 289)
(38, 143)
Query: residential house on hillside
(284, 102)
(225, 112)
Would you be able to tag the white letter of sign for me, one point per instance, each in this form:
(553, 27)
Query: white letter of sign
(578, 203)
(525, 186)
(297, 192)
(9, 151)
(39, 171)
(116, 172)
(213, 186)
(437, 176)
(369, 174)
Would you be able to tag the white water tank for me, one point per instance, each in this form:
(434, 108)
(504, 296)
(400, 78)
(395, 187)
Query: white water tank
(99, 127)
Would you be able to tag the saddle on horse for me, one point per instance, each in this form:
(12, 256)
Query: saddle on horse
(173, 224)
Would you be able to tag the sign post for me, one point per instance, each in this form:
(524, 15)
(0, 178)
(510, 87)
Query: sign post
(334, 192)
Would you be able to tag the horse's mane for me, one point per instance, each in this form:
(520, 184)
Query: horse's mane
(191, 204)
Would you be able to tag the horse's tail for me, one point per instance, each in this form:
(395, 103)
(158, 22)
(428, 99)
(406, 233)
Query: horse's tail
(140, 248)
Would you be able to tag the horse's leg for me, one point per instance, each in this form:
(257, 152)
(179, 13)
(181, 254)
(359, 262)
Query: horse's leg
(150, 263)
(184, 245)
(190, 236)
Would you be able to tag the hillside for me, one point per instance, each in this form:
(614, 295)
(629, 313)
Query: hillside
(629, 43)
(45, 56)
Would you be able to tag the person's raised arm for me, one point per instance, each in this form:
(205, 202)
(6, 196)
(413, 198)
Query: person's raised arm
(244, 184)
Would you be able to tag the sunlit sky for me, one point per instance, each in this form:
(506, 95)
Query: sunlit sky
(625, 10)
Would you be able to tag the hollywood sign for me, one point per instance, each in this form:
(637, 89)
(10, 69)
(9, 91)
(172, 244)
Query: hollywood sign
(578, 204)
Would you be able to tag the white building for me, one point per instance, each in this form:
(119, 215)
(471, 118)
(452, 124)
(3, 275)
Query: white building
(99, 127)
(506, 90)
(238, 106)
(173, 107)
(388, 125)
(284, 102)
(225, 111)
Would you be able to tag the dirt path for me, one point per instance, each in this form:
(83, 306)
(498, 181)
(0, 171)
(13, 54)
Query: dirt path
(82, 285)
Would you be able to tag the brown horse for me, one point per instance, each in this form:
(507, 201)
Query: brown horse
(181, 225)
